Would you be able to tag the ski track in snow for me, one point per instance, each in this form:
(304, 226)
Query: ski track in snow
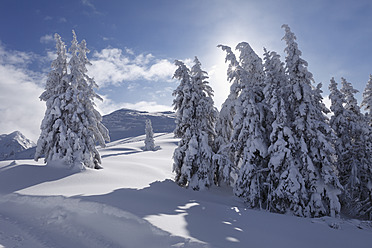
(133, 202)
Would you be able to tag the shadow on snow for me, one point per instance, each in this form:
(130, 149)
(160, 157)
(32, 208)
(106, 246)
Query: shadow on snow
(218, 226)
(15, 177)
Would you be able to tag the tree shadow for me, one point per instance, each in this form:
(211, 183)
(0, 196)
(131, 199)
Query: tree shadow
(122, 151)
(218, 226)
(17, 177)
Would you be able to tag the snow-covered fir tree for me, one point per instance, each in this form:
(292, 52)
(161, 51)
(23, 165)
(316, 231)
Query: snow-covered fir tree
(78, 128)
(339, 124)
(51, 142)
(313, 137)
(85, 127)
(195, 121)
(367, 99)
(224, 158)
(356, 167)
(243, 118)
(149, 139)
(251, 130)
(285, 183)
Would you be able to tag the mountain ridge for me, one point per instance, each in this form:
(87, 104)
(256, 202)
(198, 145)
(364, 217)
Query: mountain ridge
(12, 144)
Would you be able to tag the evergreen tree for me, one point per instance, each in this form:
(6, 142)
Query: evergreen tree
(224, 158)
(339, 124)
(313, 136)
(78, 128)
(85, 127)
(367, 99)
(195, 126)
(251, 130)
(285, 183)
(149, 140)
(249, 134)
(53, 129)
(356, 169)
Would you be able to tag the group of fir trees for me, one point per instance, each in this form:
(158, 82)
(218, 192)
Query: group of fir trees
(272, 141)
(72, 126)
(353, 136)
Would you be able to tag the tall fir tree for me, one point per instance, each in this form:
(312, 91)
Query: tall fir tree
(285, 183)
(248, 118)
(339, 124)
(84, 120)
(312, 134)
(224, 159)
(53, 128)
(367, 99)
(149, 140)
(196, 118)
(356, 167)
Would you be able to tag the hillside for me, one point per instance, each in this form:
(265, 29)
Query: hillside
(133, 202)
(125, 123)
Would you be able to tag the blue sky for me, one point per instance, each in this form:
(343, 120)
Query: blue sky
(134, 43)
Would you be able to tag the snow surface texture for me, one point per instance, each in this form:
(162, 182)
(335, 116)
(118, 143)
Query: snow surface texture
(133, 202)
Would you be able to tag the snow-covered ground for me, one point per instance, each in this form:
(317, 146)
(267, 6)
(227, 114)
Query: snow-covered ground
(133, 202)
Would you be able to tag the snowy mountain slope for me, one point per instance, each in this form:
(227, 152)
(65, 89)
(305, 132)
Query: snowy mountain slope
(133, 202)
(125, 123)
(13, 143)
(121, 124)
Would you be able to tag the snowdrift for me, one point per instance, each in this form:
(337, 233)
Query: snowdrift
(133, 202)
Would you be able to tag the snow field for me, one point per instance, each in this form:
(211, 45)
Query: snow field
(133, 202)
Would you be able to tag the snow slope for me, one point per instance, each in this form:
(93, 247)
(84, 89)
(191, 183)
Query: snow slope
(125, 123)
(133, 202)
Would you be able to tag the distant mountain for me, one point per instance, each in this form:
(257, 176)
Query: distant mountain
(126, 123)
(123, 123)
(12, 144)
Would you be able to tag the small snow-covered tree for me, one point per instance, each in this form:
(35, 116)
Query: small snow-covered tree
(196, 117)
(356, 167)
(313, 137)
(149, 140)
(53, 128)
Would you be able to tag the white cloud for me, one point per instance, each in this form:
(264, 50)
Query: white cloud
(46, 39)
(14, 57)
(20, 108)
(62, 20)
(112, 66)
(129, 51)
(89, 4)
(19, 100)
